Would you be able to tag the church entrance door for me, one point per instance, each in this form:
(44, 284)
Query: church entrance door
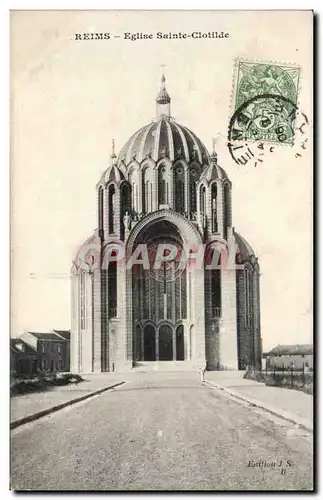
(180, 355)
(149, 343)
(165, 343)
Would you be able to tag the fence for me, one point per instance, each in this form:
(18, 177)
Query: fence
(285, 376)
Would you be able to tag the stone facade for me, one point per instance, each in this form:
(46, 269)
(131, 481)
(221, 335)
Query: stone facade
(164, 189)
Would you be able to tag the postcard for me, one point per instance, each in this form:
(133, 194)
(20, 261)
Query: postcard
(161, 242)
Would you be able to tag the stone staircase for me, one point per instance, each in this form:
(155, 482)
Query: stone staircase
(164, 366)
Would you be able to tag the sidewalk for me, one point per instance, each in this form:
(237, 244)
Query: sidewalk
(24, 408)
(293, 405)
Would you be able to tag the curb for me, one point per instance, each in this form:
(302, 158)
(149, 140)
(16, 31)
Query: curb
(48, 411)
(302, 422)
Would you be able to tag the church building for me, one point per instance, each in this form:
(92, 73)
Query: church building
(164, 190)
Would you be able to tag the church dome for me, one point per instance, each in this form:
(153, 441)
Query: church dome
(164, 138)
(213, 171)
(112, 173)
(244, 248)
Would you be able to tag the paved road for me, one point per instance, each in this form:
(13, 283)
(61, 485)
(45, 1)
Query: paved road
(164, 432)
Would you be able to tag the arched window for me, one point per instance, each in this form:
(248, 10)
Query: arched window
(162, 186)
(112, 193)
(100, 210)
(226, 209)
(148, 206)
(143, 192)
(214, 193)
(194, 172)
(193, 196)
(134, 196)
(133, 179)
(216, 292)
(146, 191)
(179, 189)
(125, 199)
(202, 199)
(112, 289)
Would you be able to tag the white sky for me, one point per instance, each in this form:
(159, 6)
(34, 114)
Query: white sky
(69, 99)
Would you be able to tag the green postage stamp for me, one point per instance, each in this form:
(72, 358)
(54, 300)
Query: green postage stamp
(265, 101)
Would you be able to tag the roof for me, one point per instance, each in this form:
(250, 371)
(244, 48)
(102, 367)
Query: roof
(18, 346)
(91, 247)
(283, 349)
(245, 249)
(164, 138)
(214, 171)
(112, 173)
(46, 335)
(66, 334)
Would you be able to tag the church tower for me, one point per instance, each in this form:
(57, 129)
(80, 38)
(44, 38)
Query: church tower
(164, 190)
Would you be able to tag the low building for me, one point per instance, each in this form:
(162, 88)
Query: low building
(298, 356)
(51, 349)
(23, 358)
(66, 335)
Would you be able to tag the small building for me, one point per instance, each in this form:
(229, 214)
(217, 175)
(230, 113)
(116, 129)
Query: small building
(66, 335)
(23, 358)
(283, 356)
(51, 349)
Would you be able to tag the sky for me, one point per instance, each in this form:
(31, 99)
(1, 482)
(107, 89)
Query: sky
(70, 98)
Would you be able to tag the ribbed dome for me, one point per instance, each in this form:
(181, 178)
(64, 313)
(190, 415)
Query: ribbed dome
(245, 249)
(164, 138)
(213, 171)
(112, 173)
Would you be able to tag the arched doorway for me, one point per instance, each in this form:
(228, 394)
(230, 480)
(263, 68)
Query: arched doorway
(180, 356)
(160, 293)
(165, 343)
(138, 344)
(149, 343)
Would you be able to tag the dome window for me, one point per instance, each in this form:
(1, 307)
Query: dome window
(202, 199)
(162, 186)
(214, 193)
(179, 190)
(112, 193)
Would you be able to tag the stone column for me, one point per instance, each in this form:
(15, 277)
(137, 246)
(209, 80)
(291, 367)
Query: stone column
(87, 340)
(155, 188)
(256, 317)
(119, 324)
(187, 191)
(97, 334)
(75, 330)
(171, 190)
(208, 210)
(174, 344)
(129, 327)
(228, 325)
(140, 193)
(157, 343)
(106, 211)
(198, 314)
(220, 208)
